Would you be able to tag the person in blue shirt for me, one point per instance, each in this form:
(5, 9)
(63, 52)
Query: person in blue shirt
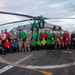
(14, 46)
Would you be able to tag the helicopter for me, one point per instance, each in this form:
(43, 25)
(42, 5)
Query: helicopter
(54, 27)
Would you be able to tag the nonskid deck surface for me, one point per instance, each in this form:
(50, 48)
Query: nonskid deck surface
(52, 62)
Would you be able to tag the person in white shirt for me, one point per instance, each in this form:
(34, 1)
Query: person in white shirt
(3, 36)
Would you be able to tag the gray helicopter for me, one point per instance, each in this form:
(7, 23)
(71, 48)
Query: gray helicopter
(32, 18)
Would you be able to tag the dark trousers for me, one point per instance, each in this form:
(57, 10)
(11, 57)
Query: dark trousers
(48, 47)
(24, 39)
(14, 49)
(32, 47)
(7, 50)
(42, 24)
(73, 45)
(3, 41)
(39, 24)
(2, 51)
(38, 47)
(57, 46)
(67, 46)
(62, 46)
(43, 47)
(52, 46)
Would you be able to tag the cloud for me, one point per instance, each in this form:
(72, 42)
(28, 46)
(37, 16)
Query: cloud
(8, 18)
(70, 6)
(48, 8)
(2, 4)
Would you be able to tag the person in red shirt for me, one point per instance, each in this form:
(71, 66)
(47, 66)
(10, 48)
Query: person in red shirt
(7, 46)
(61, 42)
(43, 35)
(67, 43)
(7, 34)
(66, 34)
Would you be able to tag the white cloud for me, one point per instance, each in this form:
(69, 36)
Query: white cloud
(67, 21)
(48, 8)
(7, 18)
(2, 3)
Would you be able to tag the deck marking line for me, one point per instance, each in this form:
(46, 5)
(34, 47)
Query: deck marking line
(5, 69)
(12, 65)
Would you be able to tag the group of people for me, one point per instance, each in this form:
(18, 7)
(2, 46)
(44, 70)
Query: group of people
(45, 40)
(39, 24)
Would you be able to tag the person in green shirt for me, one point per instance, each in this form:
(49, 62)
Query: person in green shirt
(38, 42)
(49, 35)
(34, 25)
(48, 44)
(34, 35)
(41, 19)
(38, 35)
(52, 43)
(33, 44)
(22, 35)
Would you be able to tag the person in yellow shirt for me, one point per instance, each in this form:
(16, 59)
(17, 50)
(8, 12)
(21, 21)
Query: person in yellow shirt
(43, 43)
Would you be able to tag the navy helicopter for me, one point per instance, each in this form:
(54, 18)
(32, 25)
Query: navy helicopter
(54, 27)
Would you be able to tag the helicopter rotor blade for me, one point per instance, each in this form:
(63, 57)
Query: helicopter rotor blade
(59, 18)
(23, 15)
(17, 14)
(15, 22)
(19, 21)
(30, 20)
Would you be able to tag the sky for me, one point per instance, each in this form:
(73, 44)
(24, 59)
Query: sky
(47, 8)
